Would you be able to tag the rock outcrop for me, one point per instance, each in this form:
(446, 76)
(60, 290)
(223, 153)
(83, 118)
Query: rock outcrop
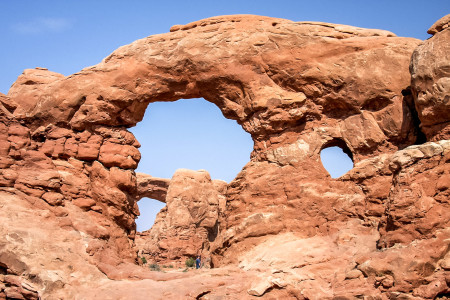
(430, 81)
(189, 222)
(283, 228)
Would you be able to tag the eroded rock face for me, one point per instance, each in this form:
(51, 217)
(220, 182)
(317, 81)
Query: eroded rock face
(430, 81)
(189, 222)
(418, 202)
(379, 231)
(43, 167)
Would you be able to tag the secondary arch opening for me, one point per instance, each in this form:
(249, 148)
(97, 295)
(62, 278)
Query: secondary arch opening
(148, 208)
(191, 134)
(336, 158)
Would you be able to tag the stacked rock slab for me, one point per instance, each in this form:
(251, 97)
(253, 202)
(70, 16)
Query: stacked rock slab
(283, 228)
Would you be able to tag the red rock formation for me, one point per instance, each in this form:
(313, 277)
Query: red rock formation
(68, 189)
(189, 222)
(430, 81)
(151, 187)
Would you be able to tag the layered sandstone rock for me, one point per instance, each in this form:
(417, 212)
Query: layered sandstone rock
(189, 222)
(284, 227)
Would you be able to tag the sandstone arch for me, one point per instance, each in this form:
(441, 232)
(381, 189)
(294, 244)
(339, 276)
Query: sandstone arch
(294, 86)
(254, 81)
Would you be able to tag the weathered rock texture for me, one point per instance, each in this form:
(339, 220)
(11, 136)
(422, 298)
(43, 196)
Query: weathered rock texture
(151, 187)
(284, 227)
(189, 222)
(430, 81)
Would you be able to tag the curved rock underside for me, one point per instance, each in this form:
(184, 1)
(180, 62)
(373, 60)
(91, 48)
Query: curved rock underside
(283, 228)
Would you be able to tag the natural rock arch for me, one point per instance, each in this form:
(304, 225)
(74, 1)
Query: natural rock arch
(253, 81)
(188, 133)
(294, 86)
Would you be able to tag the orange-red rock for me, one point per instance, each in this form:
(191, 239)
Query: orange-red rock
(283, 228)
(430, 81)
(152, 187)
(188, 223)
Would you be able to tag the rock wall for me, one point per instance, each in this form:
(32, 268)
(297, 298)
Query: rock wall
(379, 231)
(84, 179)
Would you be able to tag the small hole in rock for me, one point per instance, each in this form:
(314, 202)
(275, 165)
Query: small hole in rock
(336, 158)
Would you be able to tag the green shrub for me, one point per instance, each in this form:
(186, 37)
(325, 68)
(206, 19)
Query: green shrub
(154, 267)
(144, 260)
(190, 262)
(167, 266)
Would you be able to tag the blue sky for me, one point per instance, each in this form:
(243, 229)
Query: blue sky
(66, 36)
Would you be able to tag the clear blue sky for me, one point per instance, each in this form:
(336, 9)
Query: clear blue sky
(66, 36)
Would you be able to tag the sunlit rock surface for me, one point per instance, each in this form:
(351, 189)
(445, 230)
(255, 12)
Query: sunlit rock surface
(283, 228)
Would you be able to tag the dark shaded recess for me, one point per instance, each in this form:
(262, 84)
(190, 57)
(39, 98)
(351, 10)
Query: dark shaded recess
(443, 295)
(76, 107)
(200, 296)
(9, 107)
(39, 137)
(3, 269)
(341, 144)
(219, 251)
(390, 224)
(376, 103)
(409, 102)
(337, 108)
(213, 232)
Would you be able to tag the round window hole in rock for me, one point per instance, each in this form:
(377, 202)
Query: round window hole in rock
(336, 158)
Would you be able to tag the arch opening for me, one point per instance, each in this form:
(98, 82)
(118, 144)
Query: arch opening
(336, 158)
(148, 208)
(190, 134)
